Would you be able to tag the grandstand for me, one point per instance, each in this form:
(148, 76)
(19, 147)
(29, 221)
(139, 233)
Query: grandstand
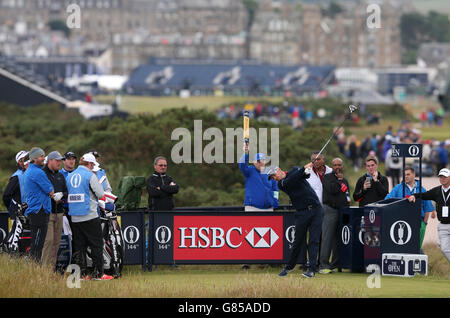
(30, 82)
(243, 77)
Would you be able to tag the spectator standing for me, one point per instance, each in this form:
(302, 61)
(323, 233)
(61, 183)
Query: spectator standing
(440, 195)
(411, 186)
(308, 215)
(423, 119)
(161, 187)
(443, 156)
(336, 195)
(55, 224)
(261, 194)
(38, 194)
(372, 186)
(365, 148)
(393, 167)
(14, 193)
(353, 152)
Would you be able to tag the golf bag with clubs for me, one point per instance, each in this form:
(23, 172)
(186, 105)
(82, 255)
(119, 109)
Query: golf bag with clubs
(113, 244)
(19, 237)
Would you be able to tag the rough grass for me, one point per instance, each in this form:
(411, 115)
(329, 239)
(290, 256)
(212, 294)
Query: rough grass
(25, 279)
(438, 265)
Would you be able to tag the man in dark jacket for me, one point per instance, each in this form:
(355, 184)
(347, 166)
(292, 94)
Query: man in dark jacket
(308, 215)
(372, 186)
(55, 223)
(161, 187)
(14, 193)
(440, 195)
(336, 195)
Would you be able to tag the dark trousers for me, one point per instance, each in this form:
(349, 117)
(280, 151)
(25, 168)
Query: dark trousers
(38, 229)
(329, 244)
(309, 219)
(88, 233)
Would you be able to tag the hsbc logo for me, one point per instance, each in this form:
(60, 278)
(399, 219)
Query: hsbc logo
(216, 237)
(262, 237)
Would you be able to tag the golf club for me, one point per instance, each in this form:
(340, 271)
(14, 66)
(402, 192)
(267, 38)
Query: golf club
(351, 109)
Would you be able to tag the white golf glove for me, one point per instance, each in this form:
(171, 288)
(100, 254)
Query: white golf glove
(101, 203)
(308, 171)
(58, 196)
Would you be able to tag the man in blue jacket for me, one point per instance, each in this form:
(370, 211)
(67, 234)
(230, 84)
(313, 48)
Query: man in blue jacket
(261, 194)
(308, 215)
(38, 193)
(412, 187)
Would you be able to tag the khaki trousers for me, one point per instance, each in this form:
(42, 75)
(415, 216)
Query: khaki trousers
(52, 239)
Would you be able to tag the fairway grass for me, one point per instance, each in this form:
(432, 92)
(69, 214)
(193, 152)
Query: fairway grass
(25, 279)
(154, 105)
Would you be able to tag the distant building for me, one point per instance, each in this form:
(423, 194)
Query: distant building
(434, 54)
(123, 34)
(407, 78)
(276, 32)
(346, 41)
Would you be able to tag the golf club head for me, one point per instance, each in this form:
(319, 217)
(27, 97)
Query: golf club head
(352, 108)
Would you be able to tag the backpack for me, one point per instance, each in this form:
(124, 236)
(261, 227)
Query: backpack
(129, 193)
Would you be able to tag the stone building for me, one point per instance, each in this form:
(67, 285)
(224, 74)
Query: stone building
(276, 32)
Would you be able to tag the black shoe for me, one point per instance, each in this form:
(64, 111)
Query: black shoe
(245, 266)
(284, 272)
(308, 274)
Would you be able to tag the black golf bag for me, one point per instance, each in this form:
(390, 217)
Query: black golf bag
(113, 247)
(18, 240)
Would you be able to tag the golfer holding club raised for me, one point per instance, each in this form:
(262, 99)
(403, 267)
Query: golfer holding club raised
(308, 215)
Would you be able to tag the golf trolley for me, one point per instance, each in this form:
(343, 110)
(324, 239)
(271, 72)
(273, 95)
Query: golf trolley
(18, 240)
(113, 244)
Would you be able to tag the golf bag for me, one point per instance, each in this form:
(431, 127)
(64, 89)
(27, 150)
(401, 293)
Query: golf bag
(18, 240)
(64, 255)
(113, 244)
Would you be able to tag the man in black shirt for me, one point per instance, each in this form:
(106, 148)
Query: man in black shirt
(55, 223)
(308, 215)
(441, 195)
(161, 187)
(372, 186)
(336, 194)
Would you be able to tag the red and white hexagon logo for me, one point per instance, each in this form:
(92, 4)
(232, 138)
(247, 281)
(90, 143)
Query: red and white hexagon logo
(262, 237)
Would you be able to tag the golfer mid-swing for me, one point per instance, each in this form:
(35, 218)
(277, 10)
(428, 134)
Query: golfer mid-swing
(308, 215)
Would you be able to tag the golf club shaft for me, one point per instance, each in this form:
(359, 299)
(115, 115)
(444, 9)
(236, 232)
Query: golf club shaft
(334, 133)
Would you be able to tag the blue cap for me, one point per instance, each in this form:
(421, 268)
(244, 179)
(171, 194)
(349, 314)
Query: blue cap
(260, 156)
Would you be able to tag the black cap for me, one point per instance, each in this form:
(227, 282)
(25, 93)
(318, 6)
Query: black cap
(69, 154)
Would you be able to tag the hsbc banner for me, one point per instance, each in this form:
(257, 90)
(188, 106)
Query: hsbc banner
(220, 238)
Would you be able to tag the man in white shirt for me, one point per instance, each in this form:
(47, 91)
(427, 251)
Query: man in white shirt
(319, 169)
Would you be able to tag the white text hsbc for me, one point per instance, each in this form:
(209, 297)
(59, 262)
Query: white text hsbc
(208, 237)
